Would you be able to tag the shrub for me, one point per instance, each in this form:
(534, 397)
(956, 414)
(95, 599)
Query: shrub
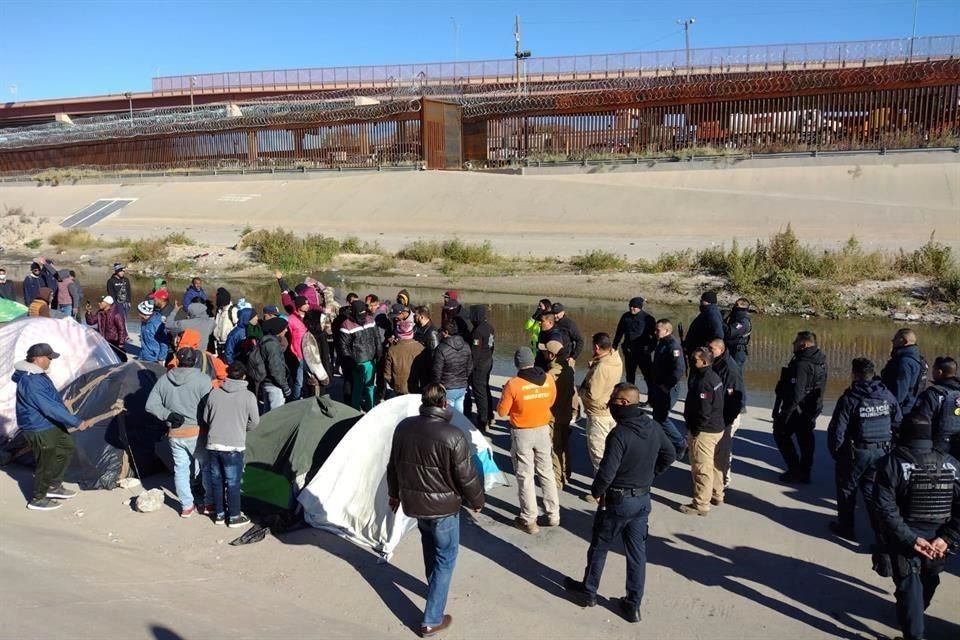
(932, 259)
(353, 244)
(83, 239)
(146, 250)
(33, 244)
(180, 237)
(455, 250)
(599, 260)
(285, 251)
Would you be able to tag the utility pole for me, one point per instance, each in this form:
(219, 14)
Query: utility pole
(193, 81)
(913, 32)
(686, 38)
(456, 44)
(519, 54)
(129, 96)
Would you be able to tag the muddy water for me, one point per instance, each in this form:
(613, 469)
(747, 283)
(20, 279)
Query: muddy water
(841, 340)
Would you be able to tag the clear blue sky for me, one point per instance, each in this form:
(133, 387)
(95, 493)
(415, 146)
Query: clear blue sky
(86, 47)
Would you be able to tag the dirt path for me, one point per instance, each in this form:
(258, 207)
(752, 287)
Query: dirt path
(762, 566)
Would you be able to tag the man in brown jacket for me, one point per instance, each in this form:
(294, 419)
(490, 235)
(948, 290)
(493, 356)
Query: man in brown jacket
(430, 475)
(404, 368)
(562, 409)
(606, 369)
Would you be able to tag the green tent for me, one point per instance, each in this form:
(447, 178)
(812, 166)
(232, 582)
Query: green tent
(287, 448)
(10, 310)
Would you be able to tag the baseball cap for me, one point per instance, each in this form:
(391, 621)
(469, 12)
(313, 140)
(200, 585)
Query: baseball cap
(452, 295)
(398, 308)
(40, 350)
(271, 308)
(160, 294)
(557, 307)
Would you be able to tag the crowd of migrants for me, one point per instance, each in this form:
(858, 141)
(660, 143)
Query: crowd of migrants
(894, 436)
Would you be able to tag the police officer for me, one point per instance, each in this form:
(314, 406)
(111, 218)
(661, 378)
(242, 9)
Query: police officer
(636, 451)
(733, 394)
(918, 510)
(799, 400)
(703, 412)
(706, 326)
(861, 429)
(637, 331)
(666, 371)
(737, 329)
(905, 374)
(940, 404)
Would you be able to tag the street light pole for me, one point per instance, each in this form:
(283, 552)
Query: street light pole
(193, 80)
(913, 32)
(129, 97)
(686, 38)
(519, 54)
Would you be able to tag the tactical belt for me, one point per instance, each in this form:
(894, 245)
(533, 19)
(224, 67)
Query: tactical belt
(630, 493)
(871, 445)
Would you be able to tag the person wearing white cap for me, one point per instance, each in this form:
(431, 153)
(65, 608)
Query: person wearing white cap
(119, 289)
(153, 334)
(111, 323)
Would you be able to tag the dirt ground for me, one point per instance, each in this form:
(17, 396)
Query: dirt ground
(762, 566)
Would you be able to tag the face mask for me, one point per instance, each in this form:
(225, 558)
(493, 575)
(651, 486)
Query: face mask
(620, 411)
(3, 277)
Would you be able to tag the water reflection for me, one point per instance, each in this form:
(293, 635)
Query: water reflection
(770, 347)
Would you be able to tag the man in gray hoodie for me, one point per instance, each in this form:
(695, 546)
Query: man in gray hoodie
(197, 319)
(230, 412)
(176, 400)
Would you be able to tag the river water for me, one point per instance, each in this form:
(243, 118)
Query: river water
(770, 348)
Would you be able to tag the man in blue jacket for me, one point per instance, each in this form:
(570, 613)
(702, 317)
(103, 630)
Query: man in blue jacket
(906, 372)
(706, 326)
(153, 334)
(45, 423)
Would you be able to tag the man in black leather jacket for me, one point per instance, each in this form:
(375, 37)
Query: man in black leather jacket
(798, 403)
(430, 475)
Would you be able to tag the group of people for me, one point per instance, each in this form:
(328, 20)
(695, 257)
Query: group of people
(46, 288)
(227, 364)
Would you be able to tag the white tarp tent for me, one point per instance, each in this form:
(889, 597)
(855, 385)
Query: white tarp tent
(81, 350)
(348, 496)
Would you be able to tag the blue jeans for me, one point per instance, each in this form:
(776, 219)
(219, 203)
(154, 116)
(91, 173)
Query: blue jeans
(441, 541)
(296, 389)
(66, 309)
(224, 470)
(455, 398)
(628, 521)
(272, 397)
(189, 460)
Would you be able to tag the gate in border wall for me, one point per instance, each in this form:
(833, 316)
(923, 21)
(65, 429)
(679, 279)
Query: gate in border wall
(442, 134)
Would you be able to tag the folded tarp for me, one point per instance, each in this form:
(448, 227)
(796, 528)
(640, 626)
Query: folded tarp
(348, 496)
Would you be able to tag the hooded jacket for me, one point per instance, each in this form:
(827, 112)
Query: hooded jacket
(110, 323)
(119, 289)
(636, 450)
(194, 293)
(237, 335)
(802, 384)
(704, 328)
(64, 298)
(528, 398)
(39, 405)
(452, 363)
(153, 339)
(32, 283)
(297, 331)
(40, 307)
(482, 337)
(229, 413)
(360, 342)
(430, 469)
(902, 375)
(732, 377)
(567, 326)
(197, 319)
(180, 391)
(277, 373)
(866, 412)
(603, 375)
(703, 410)
(930, 405)
(226, 317)
(210, 364)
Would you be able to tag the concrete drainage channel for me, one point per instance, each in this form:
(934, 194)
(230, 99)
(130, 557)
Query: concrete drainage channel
(94, 213)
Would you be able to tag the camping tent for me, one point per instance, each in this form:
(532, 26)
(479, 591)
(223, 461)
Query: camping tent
(348, 496)
(287, 448)
(122, 440)
(80, 347)
(11, 310)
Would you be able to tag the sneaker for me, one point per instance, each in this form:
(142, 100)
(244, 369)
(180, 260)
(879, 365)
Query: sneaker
(189, 511)
(426, 632)
(44, 504)
(60, 492)
(238, 521)
(219, 518)
(528, 527)
(691, 510)
(207, 510)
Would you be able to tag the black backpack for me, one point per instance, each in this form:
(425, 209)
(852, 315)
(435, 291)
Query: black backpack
(256, 366)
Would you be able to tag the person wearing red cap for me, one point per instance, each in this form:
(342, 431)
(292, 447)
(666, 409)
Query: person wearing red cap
(453, 311)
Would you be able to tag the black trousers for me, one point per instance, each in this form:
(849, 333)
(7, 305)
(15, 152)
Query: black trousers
(633, 361)
(801, 427)
(856, 472)
(915, 580)
(480, 391)
(626, 521)
(53, 450)
(346, 370)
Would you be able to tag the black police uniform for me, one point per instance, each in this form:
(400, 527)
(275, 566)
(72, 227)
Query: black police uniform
(666, 371)
(940, 404)
(798, 403)
(482, 341)
(638, 335)
(704, 328)
(736, 334)
(917, 496)
(861, 429)
(636, 451)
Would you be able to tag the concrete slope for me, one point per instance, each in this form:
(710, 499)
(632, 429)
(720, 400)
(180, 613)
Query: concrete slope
(888, 203)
